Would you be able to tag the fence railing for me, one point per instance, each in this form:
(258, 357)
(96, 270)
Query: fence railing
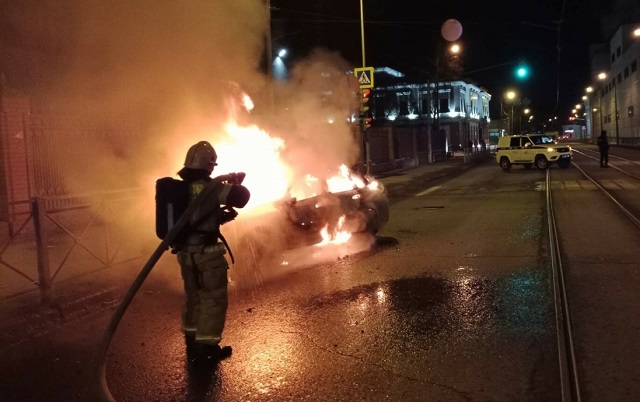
(65, 243)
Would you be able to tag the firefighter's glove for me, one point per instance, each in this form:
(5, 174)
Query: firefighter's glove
(236, 178)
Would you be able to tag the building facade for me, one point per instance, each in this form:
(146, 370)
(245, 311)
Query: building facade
(454, 114)
(614, 102)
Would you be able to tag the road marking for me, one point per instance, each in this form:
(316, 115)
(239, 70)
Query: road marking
(571, 184)
(609, 185)
(625, 184)
(427, 191)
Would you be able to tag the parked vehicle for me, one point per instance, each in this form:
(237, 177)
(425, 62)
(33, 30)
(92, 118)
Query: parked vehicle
(532, 149)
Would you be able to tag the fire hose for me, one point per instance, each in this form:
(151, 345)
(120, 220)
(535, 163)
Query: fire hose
(137, 283)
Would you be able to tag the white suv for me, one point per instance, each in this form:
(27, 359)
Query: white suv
(532, 149)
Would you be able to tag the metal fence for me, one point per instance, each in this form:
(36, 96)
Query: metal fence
(59, 225)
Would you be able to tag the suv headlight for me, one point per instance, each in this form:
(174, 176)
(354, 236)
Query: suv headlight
(552, 150)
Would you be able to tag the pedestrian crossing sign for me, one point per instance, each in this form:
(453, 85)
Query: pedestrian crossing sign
(365, 76)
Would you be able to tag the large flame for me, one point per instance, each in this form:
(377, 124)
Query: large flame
(269, 176)
(253, 151)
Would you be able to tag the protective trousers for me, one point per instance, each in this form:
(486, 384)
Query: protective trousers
(206, 298)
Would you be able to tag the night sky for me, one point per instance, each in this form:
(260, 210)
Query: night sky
(403, 34)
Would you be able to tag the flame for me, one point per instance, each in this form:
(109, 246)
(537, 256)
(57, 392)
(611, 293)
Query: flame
(339, 236)
(254, 152)
(269, 176)
(247, 102)
(345, 180)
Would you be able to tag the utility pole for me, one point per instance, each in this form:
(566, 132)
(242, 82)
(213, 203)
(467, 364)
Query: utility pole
(615, 110)
(363, 131)
(268, 50)
(364, 64)
(511, 120)
(269, 57)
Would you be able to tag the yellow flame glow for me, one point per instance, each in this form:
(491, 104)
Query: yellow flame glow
(338, 237)
(269, 177)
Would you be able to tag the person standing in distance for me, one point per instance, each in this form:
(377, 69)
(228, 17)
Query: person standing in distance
(201, 252)
(603, 146)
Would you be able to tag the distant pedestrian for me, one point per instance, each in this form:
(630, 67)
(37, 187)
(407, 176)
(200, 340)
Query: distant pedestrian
(603, 145)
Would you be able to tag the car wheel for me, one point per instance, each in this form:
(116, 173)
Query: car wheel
(373, 220)
(527, 165)
(564, 164)
(504, 163)
(542, 163)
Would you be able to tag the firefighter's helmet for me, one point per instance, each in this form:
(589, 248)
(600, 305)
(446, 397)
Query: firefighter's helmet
(201, 156)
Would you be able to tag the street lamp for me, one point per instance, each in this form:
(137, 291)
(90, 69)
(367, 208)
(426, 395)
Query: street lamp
(603, 76)
(511, 95)
(526, 111)
(279, 69)
(451, 30)
(591, 110)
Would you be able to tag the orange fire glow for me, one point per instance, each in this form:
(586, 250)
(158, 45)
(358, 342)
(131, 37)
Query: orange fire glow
(269, 176)
(338, 237)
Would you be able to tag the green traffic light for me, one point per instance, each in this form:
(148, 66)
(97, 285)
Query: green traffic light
(522, 72)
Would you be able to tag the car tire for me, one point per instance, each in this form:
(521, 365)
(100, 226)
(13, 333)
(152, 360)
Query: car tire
(373, 220)
(542, 163)
(505, 164)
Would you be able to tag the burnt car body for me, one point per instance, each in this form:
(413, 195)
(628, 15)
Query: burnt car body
(291, 223)
(365, 209)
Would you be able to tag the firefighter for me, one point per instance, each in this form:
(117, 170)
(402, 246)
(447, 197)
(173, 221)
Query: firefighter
(202, 253)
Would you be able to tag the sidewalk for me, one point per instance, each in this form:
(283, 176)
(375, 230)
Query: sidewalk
(25, 316)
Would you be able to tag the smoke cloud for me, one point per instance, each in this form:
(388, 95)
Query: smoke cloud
(156, 76)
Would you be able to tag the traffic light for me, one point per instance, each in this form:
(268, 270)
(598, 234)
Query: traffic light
(522, 71)
(365, 96)
(365, 116)
(366, 122)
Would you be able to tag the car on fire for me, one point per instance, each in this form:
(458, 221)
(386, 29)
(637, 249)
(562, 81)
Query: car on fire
(289, 223)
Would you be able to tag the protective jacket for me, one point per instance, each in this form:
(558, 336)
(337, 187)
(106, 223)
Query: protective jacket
(201, 257)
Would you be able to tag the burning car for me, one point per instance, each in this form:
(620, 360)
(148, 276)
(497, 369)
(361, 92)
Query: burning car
(302, 193)
(363, 207)
(346, 204)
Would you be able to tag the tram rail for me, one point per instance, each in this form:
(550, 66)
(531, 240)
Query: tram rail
(632, 217)
(570, 380)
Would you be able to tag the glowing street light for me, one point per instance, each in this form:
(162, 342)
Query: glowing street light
(603, 76)
(278, 68)
(511, 96)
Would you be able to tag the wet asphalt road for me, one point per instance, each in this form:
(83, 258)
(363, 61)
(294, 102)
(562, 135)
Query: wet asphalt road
(452, 303)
